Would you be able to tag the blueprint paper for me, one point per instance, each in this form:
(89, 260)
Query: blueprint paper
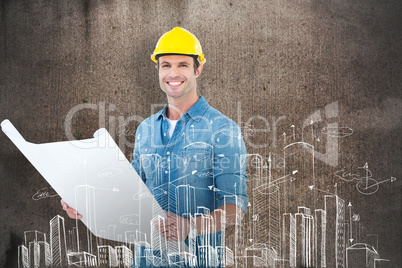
(94, 177)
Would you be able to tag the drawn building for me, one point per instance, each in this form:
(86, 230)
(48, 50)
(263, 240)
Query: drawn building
(34, 254)
(220, 221)
(72, 240)
(185, 197)
(33, 236)
(298, 156)
(23, 257)
(158, 243)
(382, 263)
(45, 259)
(107, 256)
(81, 259)
(58, 247)
(320, 230)
(252, 230)
(335, 231)
(361, 255)
(289, 240)
(124, 256)
(236, 239)
(274, 220)
(304, 239)
(257, 256)
(85, 202)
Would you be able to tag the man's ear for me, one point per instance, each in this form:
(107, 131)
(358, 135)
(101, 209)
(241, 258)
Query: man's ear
(156, 67)
(199, 70)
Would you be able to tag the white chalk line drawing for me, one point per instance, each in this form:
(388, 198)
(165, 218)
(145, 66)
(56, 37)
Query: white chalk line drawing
(110, 172)
(337, 132)
(308, 237)
(45, 193)
(365, 183)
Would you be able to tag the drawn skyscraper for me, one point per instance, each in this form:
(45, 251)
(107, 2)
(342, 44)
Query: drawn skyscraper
(185, 197)
(124, 256)
(58, 245)
(236, 238)
(320, 229)
(252, 230)
(300, 240)
(23, 257)
(33, 236)
(45, 259)
(107, 256)
(289, 240)
(38, 248)
(298, 156)
(335, 231)
(274, 221)
(34, 254)
(158, 243)
(309, 237)
(85, 201)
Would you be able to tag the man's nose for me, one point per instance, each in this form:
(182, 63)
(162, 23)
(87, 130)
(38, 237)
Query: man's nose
(174, 71)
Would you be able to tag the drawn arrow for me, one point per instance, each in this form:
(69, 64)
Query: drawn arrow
(392, 179)
(313, 187)
(350, 221)
(284, 137)
(367, 178)
(312, 129)
(293, 129)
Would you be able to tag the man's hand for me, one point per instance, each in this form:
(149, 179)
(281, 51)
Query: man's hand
(174, 228)
(72, 213)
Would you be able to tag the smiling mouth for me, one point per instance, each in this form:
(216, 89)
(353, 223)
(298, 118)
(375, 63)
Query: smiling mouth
(175, 83)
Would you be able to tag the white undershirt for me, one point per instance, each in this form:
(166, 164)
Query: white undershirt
(172, 125)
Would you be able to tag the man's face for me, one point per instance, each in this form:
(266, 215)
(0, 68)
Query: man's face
(176, 75)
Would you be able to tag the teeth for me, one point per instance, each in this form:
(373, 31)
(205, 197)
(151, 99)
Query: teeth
(174, 83)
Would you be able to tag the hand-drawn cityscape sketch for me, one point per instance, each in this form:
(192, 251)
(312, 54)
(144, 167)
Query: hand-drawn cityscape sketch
(321, 230)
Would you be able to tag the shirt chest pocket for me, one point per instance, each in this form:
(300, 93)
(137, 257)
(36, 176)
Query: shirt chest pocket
(150, 165)
(197, 157)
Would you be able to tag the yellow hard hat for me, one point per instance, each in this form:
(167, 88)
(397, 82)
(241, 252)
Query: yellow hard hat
(178, 41)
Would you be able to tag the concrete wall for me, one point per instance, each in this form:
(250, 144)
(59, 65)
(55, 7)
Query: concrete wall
(272, 63)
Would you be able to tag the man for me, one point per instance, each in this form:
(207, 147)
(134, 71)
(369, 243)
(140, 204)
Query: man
(188, 154)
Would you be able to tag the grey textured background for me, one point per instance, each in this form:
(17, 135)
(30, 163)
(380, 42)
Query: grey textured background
(271, 58)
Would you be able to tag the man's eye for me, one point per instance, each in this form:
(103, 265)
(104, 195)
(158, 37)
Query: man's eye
(183, 65)
(164, 65)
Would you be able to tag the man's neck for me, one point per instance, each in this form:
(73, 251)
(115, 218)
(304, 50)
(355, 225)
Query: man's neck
(178, 106)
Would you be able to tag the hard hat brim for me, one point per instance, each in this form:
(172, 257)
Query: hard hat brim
(200, 58)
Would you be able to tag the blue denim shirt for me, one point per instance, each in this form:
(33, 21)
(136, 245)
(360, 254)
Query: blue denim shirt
(200, 168)
(205, 152)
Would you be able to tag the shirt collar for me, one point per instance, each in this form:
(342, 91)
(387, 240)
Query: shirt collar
(195, 112)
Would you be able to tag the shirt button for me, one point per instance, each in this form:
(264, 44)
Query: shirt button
(164, 134)
(168, 152)
(166, 172)
(146, 150)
